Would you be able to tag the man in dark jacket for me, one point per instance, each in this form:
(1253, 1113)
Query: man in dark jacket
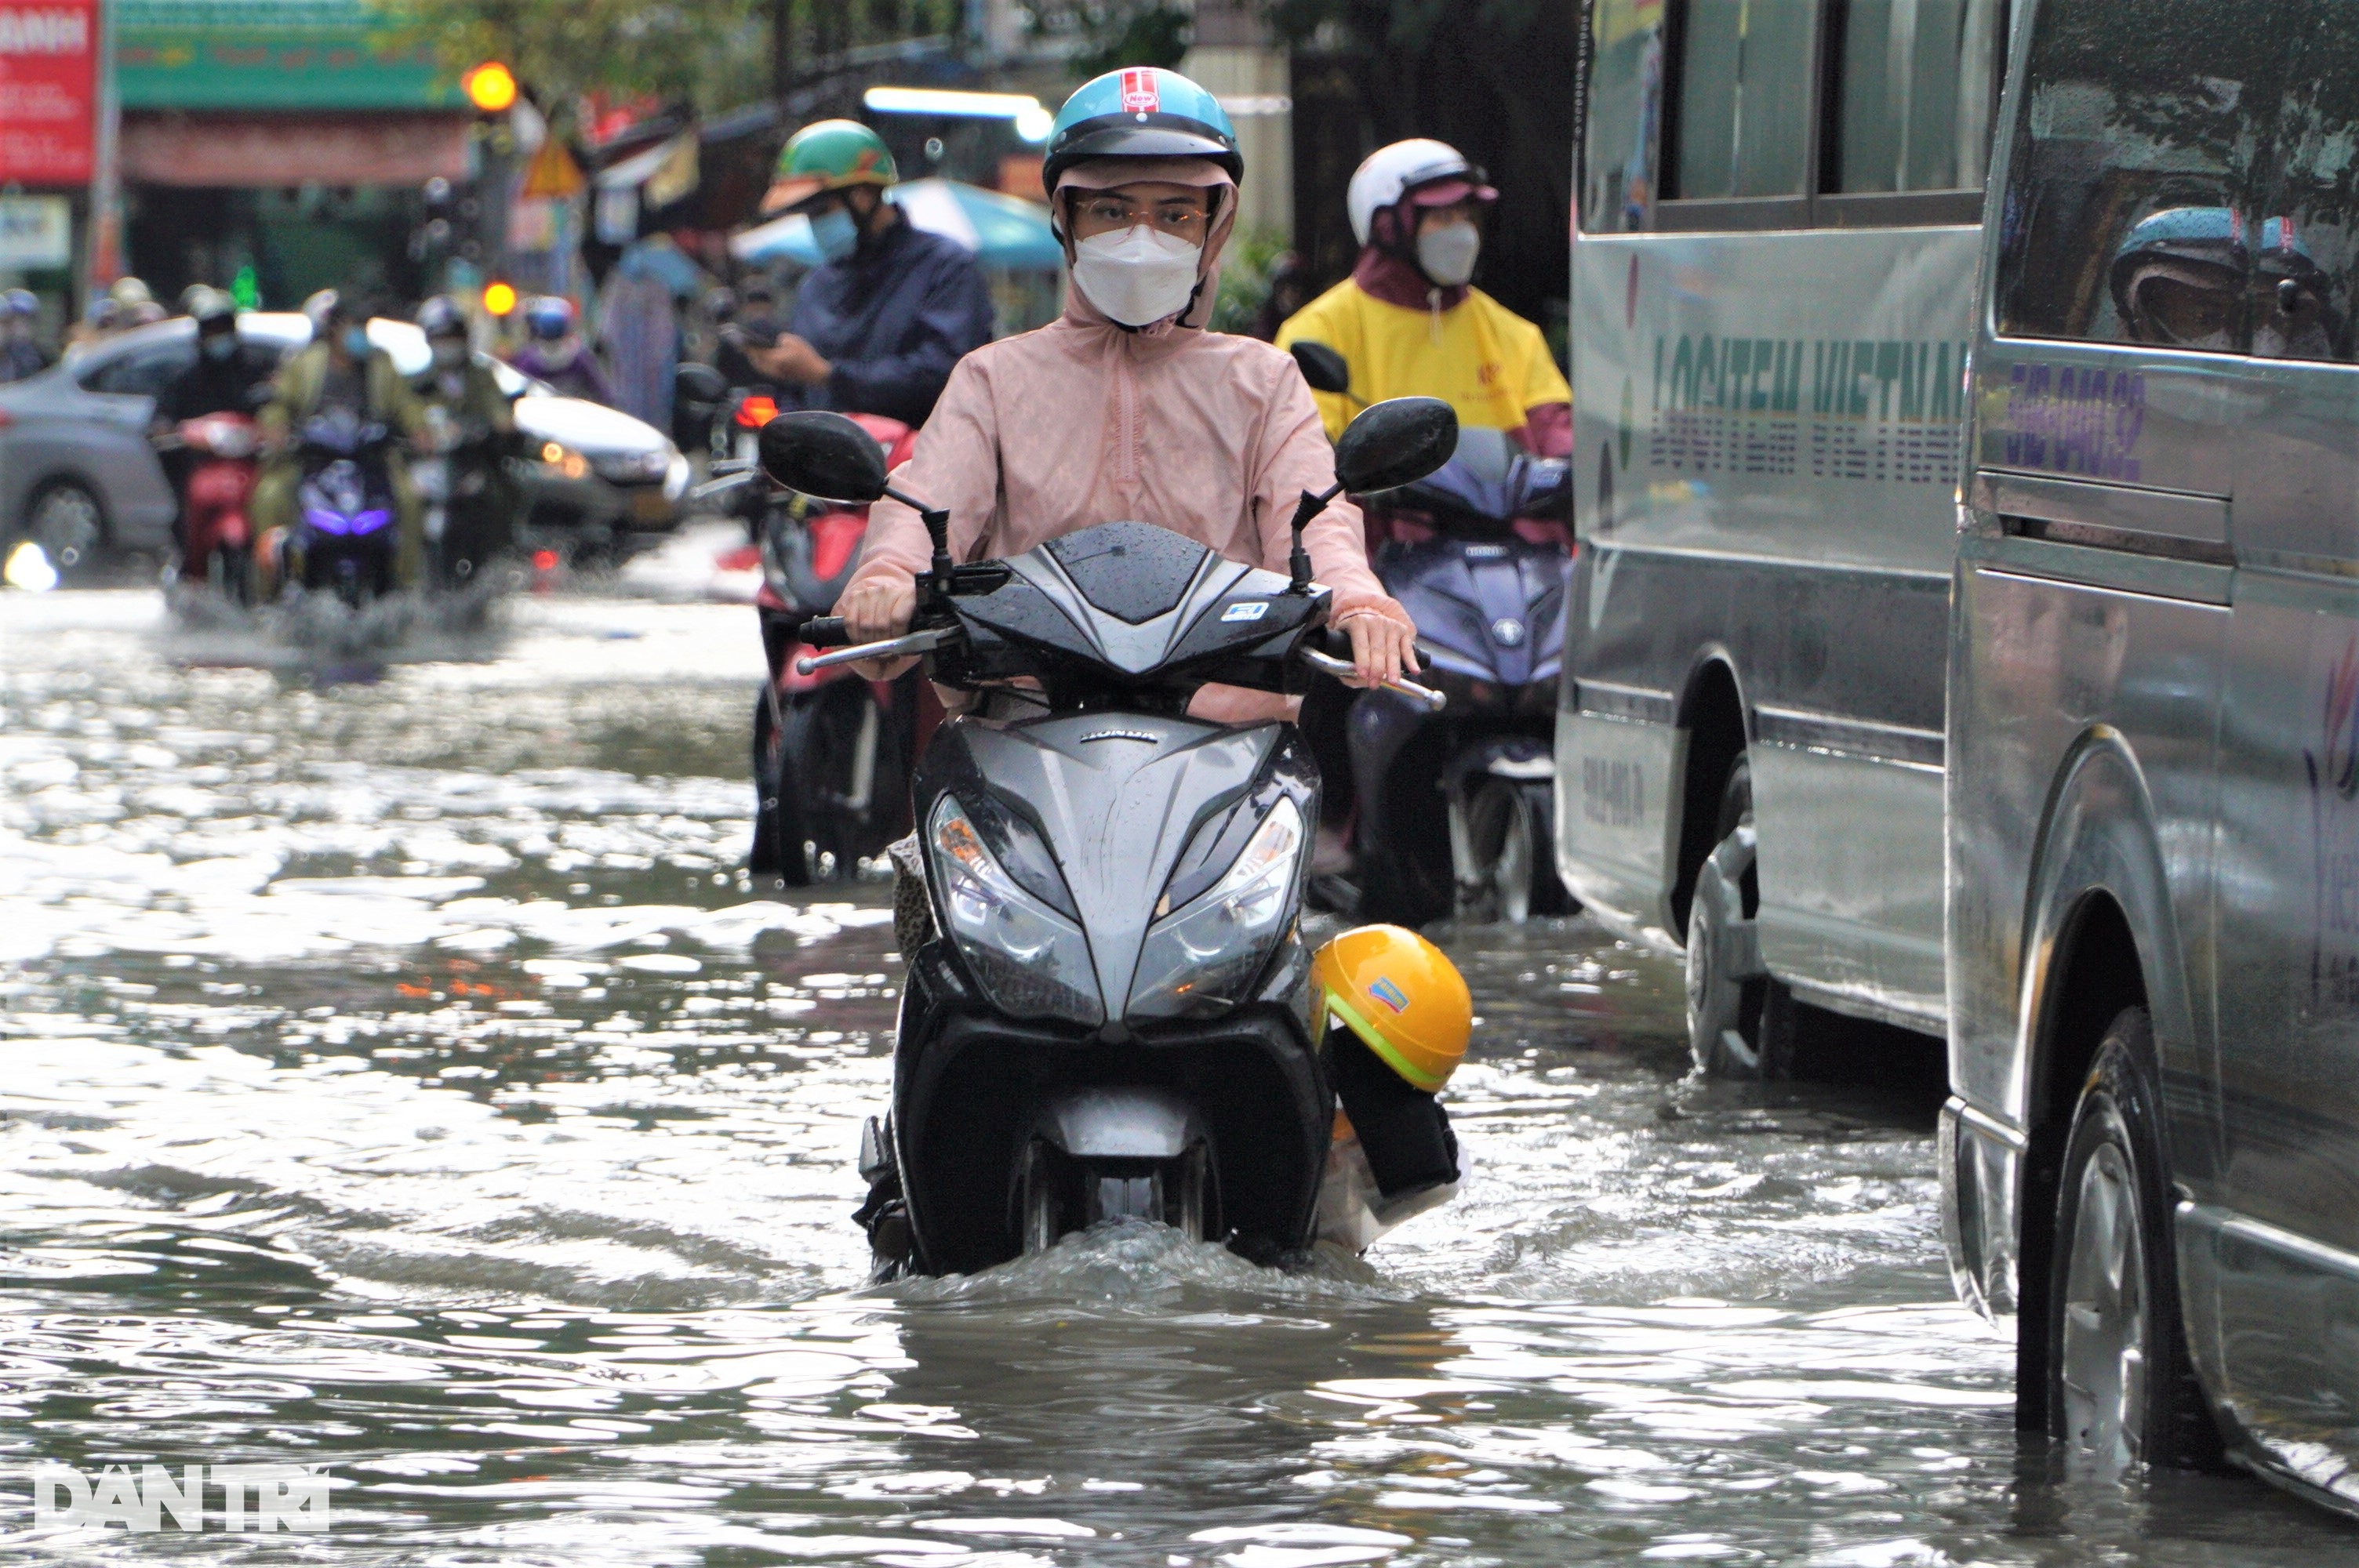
(226, 377)
(878, 326)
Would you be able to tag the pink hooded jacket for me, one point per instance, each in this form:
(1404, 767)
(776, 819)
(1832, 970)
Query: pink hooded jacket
(1083, 422)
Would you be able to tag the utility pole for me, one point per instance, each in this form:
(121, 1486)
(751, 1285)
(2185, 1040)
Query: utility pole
(782, 51)
(103, 262)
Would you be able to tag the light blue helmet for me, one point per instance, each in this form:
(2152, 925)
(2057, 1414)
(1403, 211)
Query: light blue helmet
(1141, 111)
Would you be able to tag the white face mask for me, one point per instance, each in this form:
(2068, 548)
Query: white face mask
(1137, 276)
(1447, 254)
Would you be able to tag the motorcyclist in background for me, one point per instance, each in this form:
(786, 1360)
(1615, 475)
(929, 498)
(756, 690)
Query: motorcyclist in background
(471, 425)
(227, 375)
(20, 352)
(135, 301)
(554, 351)
(752, 318)
(1409, 320)
(876, 327)
(1410, 323)
(341, 369)
(455, 381)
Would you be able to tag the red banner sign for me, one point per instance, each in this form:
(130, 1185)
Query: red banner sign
(48, 51)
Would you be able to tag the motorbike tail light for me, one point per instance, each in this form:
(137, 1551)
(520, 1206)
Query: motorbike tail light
(756, 412)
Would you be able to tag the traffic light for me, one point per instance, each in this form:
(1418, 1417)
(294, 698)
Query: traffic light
(499, 298)
(491, 87)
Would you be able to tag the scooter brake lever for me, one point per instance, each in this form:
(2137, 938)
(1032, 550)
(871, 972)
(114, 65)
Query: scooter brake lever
(899, 647)
(1425, 696)
(713, 486)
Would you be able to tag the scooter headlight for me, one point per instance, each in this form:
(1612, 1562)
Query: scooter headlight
(1197, 960)
(1029, 960)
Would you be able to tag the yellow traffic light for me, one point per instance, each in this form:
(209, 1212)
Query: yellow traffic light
(499, 298)
(490, 87)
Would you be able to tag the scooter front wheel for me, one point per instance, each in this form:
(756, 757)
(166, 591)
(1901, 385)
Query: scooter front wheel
(777, 813)
(1507, 872)
(1055, 1196)
(229, 571)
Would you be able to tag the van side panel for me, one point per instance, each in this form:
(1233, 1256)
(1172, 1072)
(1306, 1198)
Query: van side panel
(1767, 451)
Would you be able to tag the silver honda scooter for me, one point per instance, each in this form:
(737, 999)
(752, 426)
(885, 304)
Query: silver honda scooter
(1107, 1022)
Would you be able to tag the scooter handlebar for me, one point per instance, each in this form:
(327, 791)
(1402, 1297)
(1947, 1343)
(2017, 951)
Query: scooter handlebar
(907, 645)
(826, 631)
(1424, 696)
(1336, 644)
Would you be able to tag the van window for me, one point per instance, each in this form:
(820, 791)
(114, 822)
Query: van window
(1625, 109)
(1913, 95)
(2128, 216)
(2309, 247)
(1744, 97)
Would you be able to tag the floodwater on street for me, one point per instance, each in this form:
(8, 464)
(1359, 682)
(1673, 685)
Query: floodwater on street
(399, 1077)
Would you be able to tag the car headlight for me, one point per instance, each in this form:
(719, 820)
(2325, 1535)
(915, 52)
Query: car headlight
(1199, 959)
(564, 460)
(1031, 961)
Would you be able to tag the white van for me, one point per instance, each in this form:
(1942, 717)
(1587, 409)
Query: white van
(1780, 208)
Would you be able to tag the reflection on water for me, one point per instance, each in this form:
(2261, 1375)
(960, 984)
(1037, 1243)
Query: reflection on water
(401, 1078)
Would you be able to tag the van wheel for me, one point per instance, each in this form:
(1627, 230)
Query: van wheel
(1739, 1021)
(2121, 1390)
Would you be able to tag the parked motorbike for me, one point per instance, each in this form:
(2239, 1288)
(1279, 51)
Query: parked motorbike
(216, 532)
(1478, 554)
(344, 536)
(1107, 1020)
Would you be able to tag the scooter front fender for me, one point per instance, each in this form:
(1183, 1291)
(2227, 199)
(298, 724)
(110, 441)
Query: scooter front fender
(1128, 1123)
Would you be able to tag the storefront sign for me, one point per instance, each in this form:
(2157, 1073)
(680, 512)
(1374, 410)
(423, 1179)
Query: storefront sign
(274, 56)
(35, 233)
(47, 90)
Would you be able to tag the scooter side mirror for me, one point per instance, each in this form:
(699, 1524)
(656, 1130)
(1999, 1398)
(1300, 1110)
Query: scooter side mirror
(1391, 443)
(1323, 367)
(693, 382)
(825, 455)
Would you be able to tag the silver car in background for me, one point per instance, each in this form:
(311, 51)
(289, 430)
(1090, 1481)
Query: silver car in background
(78, 475)
(2151, 1154)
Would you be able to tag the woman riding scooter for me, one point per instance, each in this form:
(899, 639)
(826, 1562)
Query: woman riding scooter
(1128, 407)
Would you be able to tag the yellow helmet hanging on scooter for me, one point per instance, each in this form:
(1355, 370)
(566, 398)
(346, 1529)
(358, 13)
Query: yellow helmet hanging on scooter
(1398, 992)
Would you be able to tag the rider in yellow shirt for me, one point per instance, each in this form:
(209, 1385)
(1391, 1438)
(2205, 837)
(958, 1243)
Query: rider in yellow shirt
(1409, 323)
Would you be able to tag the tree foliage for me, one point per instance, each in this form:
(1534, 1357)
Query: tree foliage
(1107, 35)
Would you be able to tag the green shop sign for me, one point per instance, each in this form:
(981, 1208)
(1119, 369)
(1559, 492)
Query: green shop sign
(274, 54)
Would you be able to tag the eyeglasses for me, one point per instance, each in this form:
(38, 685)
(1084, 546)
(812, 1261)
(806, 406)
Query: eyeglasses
(1176, 216)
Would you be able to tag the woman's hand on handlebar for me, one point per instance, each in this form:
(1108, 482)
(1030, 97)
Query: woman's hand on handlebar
(1382, 649)
(878, 608)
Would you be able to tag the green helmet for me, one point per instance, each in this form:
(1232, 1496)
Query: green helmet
(831, 155)
(1142, 110)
